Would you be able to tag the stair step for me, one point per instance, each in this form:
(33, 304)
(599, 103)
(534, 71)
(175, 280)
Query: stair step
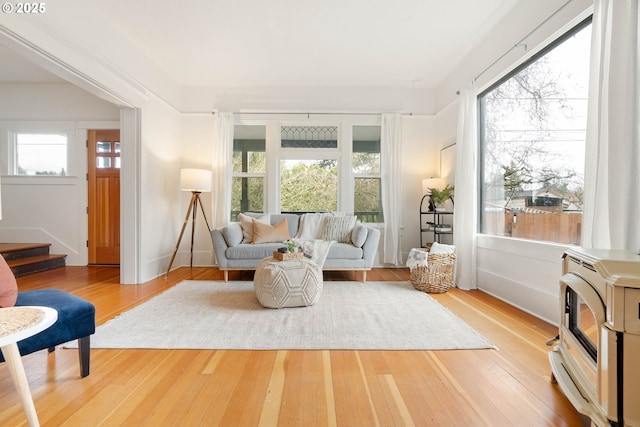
(24, 266)
(11, 251)
(26, 258)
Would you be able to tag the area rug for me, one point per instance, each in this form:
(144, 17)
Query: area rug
(348, 316)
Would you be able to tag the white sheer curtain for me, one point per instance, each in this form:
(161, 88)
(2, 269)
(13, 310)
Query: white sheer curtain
(466, 190)
(612, 164)
(391, 158)
(221, 167)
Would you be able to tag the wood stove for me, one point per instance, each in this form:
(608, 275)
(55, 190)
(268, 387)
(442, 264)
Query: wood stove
(596, 361)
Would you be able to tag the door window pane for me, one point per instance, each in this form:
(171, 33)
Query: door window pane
(103, 147)
(103, 162)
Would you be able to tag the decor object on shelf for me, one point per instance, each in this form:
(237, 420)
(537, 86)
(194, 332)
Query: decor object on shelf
(197, 181)
(440, 196)
(428, 184)
(432, 220)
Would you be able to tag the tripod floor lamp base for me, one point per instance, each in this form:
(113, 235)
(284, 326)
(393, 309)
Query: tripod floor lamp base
(197, 181)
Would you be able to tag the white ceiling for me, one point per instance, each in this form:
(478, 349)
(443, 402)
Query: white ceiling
(306, 43)
(295, 43)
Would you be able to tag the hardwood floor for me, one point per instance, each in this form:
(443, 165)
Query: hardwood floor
(505, 387)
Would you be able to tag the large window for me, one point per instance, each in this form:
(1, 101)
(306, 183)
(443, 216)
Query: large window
(249, 169)
(533, 129)
(366, 173)
(309, 168)
(331, 165)
(39, 153)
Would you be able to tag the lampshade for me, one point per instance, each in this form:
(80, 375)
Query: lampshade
(195, 180)
(428, 183)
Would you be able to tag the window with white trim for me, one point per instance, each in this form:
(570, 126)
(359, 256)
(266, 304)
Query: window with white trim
(39, 153)
(365, 164)
(532, 136)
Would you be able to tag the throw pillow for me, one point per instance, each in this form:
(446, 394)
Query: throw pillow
(311, 226)
(8, 285)
(246, 222)
(232, 234)
(359, 235)
(338, 228)
(266, 233)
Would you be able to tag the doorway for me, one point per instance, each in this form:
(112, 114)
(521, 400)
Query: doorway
(103, 148)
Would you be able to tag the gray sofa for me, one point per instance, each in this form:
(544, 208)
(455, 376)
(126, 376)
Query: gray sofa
(247, 256)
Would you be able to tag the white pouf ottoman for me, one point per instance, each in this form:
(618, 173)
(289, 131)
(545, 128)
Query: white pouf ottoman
(291, 283)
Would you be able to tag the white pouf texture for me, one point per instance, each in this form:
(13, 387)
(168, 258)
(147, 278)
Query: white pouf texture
(292, 283)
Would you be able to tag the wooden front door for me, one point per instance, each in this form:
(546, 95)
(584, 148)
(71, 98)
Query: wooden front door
(103, 178)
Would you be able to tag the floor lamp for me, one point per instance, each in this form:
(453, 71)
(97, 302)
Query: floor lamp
(197, 181)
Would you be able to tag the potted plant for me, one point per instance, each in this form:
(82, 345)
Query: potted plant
(439, 197)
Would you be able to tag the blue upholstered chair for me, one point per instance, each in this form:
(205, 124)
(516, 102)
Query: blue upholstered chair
(76, 320)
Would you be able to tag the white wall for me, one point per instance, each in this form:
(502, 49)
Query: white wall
(50, 209)
(523, 273)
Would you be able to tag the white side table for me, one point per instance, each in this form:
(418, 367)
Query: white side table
(16, 324)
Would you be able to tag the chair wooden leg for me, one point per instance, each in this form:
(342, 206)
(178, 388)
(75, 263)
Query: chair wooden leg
(226, 275)
(84, 353)
(16, 369)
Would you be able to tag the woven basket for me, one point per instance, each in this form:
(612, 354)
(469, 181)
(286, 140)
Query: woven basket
(437, 276)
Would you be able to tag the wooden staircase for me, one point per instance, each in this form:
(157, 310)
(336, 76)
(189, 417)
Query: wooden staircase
(27, 258)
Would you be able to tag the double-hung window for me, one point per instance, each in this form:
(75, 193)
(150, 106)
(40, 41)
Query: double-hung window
(532, 135)
(365, 165)
(249, 169)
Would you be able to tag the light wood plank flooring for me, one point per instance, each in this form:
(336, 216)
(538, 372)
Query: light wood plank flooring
(505, 387)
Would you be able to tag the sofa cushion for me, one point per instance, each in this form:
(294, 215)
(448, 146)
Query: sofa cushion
(359, 235)
(232, 234)
(344, 251)
(338, 228)
(246, 222)
(248, 251)
(265, 233)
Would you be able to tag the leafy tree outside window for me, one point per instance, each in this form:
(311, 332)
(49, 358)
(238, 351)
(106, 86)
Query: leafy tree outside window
(366, 171)
(249, 169)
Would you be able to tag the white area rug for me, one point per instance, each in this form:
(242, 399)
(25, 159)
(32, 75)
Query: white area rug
(348, 315)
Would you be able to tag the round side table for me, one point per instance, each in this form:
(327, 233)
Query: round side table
(16, 324)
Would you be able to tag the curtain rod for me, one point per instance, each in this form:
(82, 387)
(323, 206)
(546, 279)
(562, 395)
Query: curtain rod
(520, 43)
(340, 113)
